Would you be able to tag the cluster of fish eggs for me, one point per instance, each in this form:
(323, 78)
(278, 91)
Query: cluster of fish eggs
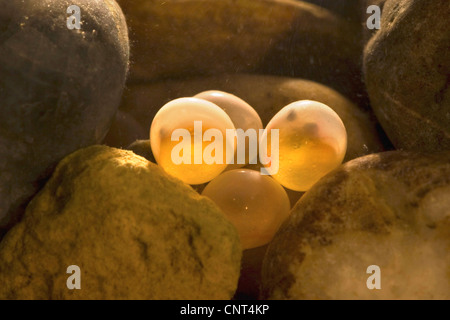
(190, 139)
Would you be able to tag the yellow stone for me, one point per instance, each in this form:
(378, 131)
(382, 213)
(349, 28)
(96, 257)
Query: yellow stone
(134, 231)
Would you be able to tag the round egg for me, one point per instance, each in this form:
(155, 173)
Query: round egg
(303, 142)
(256, 204)
(188, 138)
(244, 117)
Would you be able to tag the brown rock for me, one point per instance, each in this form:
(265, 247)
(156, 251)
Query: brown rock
(124, 130)
(407, 72)
(389, 209)
(179, 39)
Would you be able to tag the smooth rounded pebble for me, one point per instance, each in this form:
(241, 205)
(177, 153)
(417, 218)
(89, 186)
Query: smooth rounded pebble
(406, 69)
(391, 210)
(59, 89)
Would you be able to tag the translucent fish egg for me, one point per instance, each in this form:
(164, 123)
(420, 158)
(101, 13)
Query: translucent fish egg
(188, 139)
(256, 204)
(312, 142)
(243, 116)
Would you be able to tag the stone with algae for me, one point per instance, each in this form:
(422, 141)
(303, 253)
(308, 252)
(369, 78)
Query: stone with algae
(134, 231)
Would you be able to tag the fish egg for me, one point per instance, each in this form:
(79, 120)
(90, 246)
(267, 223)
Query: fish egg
(312, 142)
(188, 139)
(255, 204)
(243, 116)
